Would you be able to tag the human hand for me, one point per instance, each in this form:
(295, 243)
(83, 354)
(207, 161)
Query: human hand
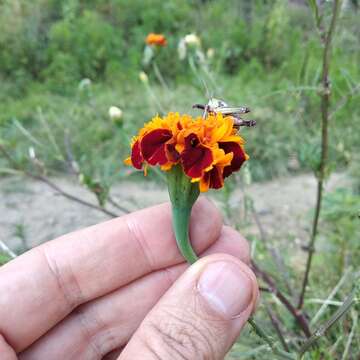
(120, 289)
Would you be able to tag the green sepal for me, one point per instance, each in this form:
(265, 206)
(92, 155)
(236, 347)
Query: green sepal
(183, 194)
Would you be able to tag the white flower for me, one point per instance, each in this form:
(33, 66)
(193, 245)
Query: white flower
(143, 77)
(192, 39)
(115, 113)
(189, 40)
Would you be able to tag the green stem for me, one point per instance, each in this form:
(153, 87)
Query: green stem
(273, 346)
(159, 76)
(318, 333)
(183, 194)
(181, 219)
(325, 104)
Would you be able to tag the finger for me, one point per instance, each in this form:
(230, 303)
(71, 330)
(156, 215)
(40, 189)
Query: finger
(200, 316)
(113, 355)
(7, 353)
(233, 243)
(51, 280)
(108, 322)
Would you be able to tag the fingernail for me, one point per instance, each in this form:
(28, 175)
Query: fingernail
(226, 288)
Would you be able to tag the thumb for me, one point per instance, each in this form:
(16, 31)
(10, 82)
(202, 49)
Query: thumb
(200, 316)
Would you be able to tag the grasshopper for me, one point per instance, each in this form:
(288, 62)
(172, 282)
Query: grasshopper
(219, 106)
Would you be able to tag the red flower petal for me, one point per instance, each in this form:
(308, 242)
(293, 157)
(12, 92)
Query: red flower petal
(215, 177)
(153, 146)
(238, 158)
(195, 157)
(136, 157)
(171, 153)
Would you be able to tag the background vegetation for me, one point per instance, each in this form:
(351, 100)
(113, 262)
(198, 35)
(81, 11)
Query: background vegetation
(64, 63)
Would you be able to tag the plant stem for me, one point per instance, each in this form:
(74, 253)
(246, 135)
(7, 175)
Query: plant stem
(259, 332)
(325, 104)
(330, 297)
(155, 98)
(298, 316)
(183, 194)
(276, 324)
(159, 76)
(118, 206)
(272, 250)
(181, 220)
(53, 185)
(351, 335)
(344, 308)
(7, 250)
(197, 74)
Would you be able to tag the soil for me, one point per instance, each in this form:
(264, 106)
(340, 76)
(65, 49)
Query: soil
(31, 212)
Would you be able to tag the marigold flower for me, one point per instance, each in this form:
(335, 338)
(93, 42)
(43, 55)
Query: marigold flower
(197, 155)
(207, 150)
(156, 39)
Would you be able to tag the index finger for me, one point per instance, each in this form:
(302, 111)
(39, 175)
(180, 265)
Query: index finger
(47, 283)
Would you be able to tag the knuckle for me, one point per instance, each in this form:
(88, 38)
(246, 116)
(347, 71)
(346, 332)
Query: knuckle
(180, 337)
(65, 280)
(135, 232)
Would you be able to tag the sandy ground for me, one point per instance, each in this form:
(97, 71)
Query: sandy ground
(31, 212)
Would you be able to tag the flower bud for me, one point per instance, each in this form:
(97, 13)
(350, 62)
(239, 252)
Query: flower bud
(84, 83)
(143, 77)
(210, 53)
(115, 113)
(192, 39)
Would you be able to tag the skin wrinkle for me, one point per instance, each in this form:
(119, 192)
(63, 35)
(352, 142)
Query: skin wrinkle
(58, 274)
(168, 275)
(190, 324)
(187, 335)
(147, 346)
(167, 339)
(90, 331)
(106, 341)
(136, 233)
